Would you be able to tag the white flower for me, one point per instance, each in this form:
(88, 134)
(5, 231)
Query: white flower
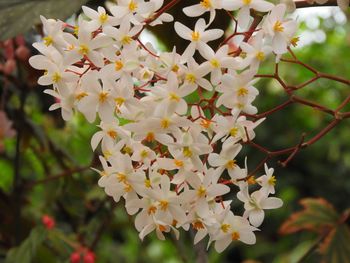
(202, 7)
(268, 180)
(255, 204)
(244, 7)
(234, 228)
(279, 29)
(99, 18)
(198, 37)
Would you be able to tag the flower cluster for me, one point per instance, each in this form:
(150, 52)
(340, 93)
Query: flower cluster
(170, 128)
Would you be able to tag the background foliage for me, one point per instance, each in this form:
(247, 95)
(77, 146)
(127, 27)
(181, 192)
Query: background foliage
(45, 168)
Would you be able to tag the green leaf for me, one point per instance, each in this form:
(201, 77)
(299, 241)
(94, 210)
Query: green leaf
(18, 16)
(317, 215)
(336, 246)
(28, 248)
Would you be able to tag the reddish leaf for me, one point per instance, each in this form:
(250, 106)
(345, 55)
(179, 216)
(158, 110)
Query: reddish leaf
(317, 215)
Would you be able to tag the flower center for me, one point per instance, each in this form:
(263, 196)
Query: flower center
(198, 225)
(119, 101)
(278, 26)
(132, 6)
(121, 177)
(102, 97)
(225, 227)
(126, 40)
(202, 191)
(242, 91)
(179, 163)
(113, 134)
(195, 36)
(191, 78)
(272, 181)
(118, 65)
(84, 49)
(247, 2)
(56, 77)
(260, 55)
(205, 124)
(235, 235)
(174, 96)
(80, 95)
(231, 164)
(233, 132)
(215, 63)
(206, 3)
(103, 18)
(163, 205)
(187, 151)
(164, 123)
(151, 210)
(48, 40)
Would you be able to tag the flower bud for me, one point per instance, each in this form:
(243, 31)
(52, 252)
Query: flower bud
(48, 221)
(75, 257)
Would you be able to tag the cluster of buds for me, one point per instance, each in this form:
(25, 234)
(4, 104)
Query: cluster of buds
(170, 128)
(82, 255)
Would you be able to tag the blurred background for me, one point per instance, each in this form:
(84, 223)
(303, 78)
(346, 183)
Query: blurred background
(52, 209)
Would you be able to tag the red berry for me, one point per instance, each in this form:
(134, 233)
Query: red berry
(48, 221)
(89, 257)
(75, 257)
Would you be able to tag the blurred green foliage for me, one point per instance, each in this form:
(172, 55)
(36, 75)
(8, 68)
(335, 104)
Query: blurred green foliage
(85, 216)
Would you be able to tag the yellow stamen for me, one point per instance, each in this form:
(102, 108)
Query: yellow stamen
(260, 55)
(294, 41)
(205, 124)
(113, 134)
(174, 96)
(56, 77)
(84, 49)
(118, 65)
(119, 101)
(242, 91)
(179, 163)
(198, 225)
(164, 123)
(278, 26)
(151, 210)
(103, 97)
(103, 18)
(272, 181)
(201, 192)
(215, 63)
(76, 30)
(190, 78)
(48, 40)
(187, 151)
(144, 154)
(80, 95)
(126, 40)
(161, 228)
(251, 180)
(148, 183)
(247, 2)
(132, 5)
(127, 150)
(195, 36)
(163, 205)
(175, 68)
(121, 177)
(231, 164)
(233, 132)
(150, 137)
(235, 235)
(225, 227)
(206, 3)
